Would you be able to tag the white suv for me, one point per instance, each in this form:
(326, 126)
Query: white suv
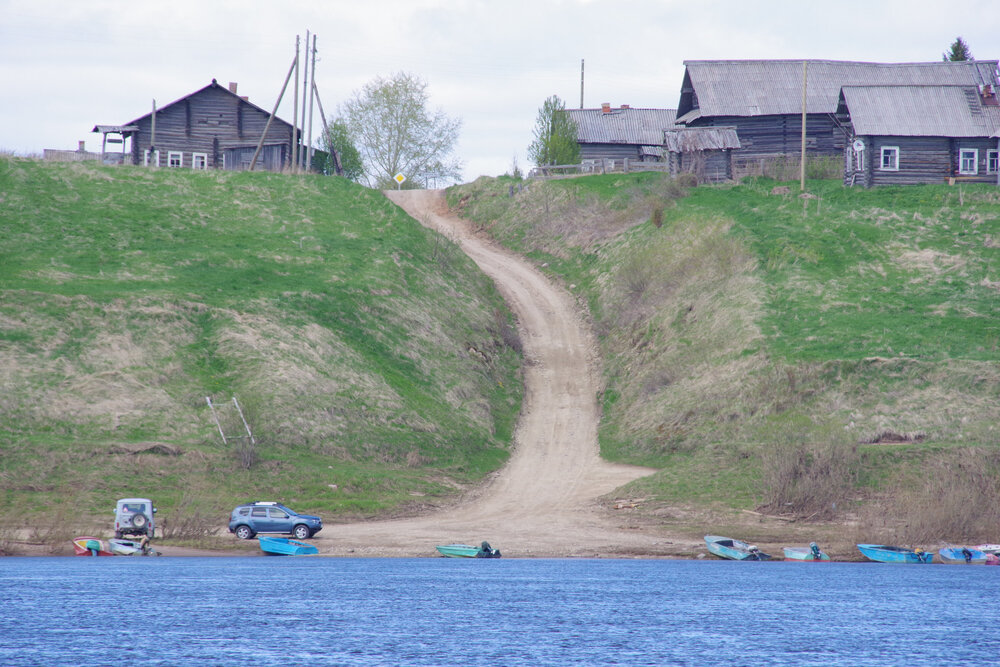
(134, 516)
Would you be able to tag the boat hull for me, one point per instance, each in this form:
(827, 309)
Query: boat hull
(805, 555)
(285, 546)
(90, 546)
(882, 553)
(467, 551)
(958, 556)
(730, 549)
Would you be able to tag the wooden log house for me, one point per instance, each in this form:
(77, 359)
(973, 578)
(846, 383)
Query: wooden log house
(620, 133)
(902, 135)
(762, 99)
(212, 128)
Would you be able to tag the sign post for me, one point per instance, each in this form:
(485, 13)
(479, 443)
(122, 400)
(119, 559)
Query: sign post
(399, 178)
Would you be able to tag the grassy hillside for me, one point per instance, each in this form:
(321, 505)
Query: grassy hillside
(376, 366)
(833, 356)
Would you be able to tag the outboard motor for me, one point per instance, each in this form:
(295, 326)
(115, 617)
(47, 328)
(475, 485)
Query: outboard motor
(815, 550)
(754, 553)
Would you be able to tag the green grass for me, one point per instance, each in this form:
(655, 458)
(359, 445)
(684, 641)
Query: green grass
(747, 319)
(128, 295)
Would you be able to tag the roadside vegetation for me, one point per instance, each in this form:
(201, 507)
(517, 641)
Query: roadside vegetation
(377, 368)
(827, 357)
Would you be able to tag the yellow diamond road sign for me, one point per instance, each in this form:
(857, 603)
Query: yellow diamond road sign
(399, 178)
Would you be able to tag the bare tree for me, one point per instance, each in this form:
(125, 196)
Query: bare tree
(390, 125)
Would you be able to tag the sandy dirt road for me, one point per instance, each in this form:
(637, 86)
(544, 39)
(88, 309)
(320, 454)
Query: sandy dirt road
(543, 502)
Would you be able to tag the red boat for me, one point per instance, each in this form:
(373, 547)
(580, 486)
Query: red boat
(90, 546)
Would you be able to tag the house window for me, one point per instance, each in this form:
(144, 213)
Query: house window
(890, 158)
(175, 158)
(992, 161)
(968, 161)
(151, 160)
(199, 160)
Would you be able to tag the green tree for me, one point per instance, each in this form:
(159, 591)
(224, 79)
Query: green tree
(337, 142)
(388, 122)
(959, 51)
(555, 135)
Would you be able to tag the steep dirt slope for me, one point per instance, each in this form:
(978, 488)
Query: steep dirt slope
(542, 503)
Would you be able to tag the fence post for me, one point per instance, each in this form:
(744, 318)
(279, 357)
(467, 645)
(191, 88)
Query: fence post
(625, 165)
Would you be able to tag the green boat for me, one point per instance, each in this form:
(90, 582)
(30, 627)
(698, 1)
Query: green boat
(468, 551)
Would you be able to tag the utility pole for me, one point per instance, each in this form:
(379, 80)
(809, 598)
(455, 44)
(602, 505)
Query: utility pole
(802, 160)
(295, 111)
(152, 136)
(312, 89)
(581, 83)
(305, 94)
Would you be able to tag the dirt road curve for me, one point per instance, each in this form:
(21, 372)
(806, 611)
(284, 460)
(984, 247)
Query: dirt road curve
(542, 503)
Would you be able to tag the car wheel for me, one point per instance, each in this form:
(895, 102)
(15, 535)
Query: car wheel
(244, 532)
(118, 534)
(139, 522)
(301, 532)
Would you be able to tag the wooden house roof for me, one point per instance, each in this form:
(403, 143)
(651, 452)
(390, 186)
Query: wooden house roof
(625, 125)
(214, 84)
(688, 139)
(774, 87)
(920, 111)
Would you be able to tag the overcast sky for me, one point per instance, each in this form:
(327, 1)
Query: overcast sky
(66, 65)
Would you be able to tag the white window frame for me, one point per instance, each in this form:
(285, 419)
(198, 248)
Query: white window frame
(175, 154)
(895, 163)
(156, 158)
(964, 155)
(859, 157)
(992, 161)
(203, 157)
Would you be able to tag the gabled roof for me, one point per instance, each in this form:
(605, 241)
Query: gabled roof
(214, 84)
(640, 127)
(920, 111)
(774, 87)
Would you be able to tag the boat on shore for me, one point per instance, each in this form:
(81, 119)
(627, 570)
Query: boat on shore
(730, 549)
(883, 553)
(285, 546)
(962, 556)
(123, 547)
(90, 546)
(468, 551)
(811, 553)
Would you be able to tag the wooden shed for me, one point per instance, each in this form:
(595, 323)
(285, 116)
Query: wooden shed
(212, 128)
(621, 133)
(706, 152)
(762, 99)
(900, 135)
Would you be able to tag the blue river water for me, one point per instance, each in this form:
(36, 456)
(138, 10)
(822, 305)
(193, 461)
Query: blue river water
(436, 611)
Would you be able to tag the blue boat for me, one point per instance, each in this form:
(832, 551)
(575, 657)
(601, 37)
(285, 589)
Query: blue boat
(881, 553)
(962, 555)
(285, 546)
(730, 549)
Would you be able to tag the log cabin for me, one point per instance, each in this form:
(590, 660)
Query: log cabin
(621, 133)
(762, 99)
(212, 128)
(901, 135)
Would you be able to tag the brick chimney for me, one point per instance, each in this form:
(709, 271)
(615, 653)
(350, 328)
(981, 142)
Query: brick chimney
(232, 87)
(606, 107)
(625, 106)
(82, 147)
